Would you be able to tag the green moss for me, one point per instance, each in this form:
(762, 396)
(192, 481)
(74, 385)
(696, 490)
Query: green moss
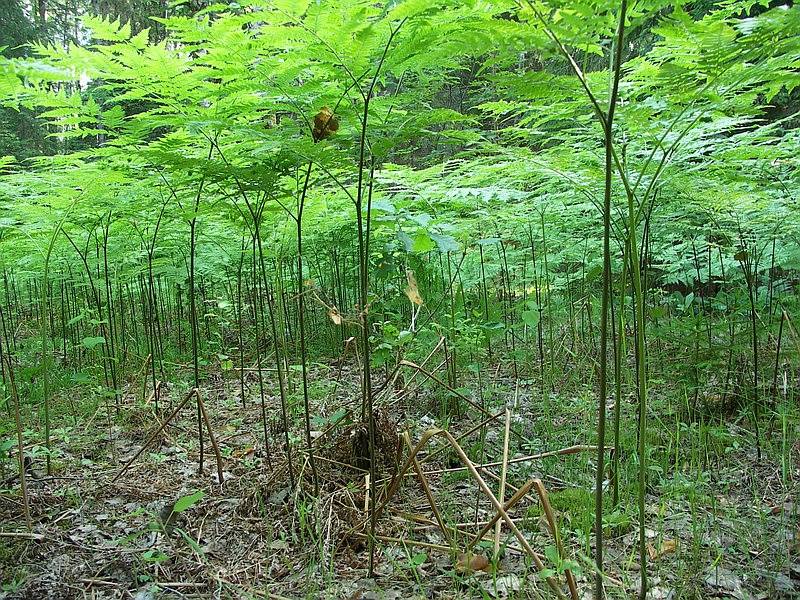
(572, 499)
(574, 508)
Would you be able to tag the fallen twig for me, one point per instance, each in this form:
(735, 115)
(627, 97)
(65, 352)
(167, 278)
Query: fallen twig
(22, 534)
(563, 451)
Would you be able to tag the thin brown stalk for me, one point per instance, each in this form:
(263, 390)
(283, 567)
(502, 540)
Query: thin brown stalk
(503, 471)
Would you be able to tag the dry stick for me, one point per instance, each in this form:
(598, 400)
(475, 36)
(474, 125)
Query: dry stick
(551, 520)
(405, 389)
(211, 435)
(395, 484)
(792, 329)
(432, 377)
(443, 447)
(396, 540)
(497, 479)
(429, 495)
(484, 467)
(154, 434)
(396, 371)
(424, 522)
(774, 390)
(569, 450)
(347, 415)
(519, 495)
(499, 508)
(152, 394)
(427, 358)
(341, 358)
(502, 492)
(23, 534)
(144, 370)
(481, 483)
(460, 529)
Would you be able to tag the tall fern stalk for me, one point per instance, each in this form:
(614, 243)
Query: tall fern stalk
(606, 119)
(45, 339)
(7, 366)
(608, 126)
(301, 308)
(448, 130)
(194, 328)
(641, 378)
(363, 227)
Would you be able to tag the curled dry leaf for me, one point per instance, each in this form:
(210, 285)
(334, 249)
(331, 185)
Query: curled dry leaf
(245, 452)
(469, 563)
(335, 316)
(666, 547)
(325, 124)
(412, 290)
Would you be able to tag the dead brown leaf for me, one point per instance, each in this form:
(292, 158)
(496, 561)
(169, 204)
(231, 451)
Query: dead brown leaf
(665, 547)
(412, 290)
(246, 452)
(469, 563)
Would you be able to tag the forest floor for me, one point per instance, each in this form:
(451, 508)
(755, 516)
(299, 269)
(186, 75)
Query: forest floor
(721, 522)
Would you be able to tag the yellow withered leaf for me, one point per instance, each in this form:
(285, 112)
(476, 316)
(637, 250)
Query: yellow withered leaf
(666, 547)
(412, 291)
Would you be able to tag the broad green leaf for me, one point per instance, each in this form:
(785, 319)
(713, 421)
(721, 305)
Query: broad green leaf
(530, 317)
(92, 342)
(186, 502)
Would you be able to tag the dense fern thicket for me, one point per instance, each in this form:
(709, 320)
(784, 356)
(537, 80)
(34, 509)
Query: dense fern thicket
(352, 215)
